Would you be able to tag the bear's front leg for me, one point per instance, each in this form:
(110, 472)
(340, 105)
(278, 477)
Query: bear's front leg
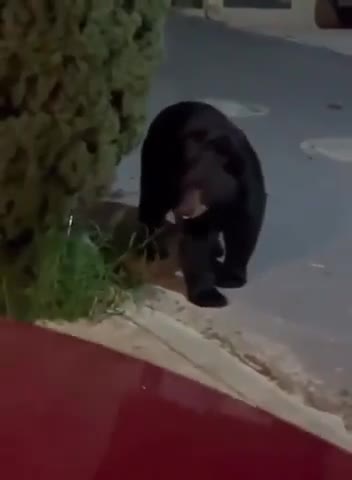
(196, 265)
(240, 236)
(217, 250)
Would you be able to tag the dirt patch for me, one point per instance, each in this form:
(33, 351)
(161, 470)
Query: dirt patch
(289, 375)
(161, 272)
(273, 361)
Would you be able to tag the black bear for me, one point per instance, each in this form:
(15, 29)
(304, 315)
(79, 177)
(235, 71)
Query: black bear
(196, 163)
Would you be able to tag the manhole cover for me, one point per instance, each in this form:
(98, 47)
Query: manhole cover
(338, 149)
(233, 109)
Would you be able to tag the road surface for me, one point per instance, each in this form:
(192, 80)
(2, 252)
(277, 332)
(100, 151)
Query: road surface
(300, 289)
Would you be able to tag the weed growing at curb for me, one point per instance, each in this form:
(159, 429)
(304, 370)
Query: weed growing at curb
(77, 276)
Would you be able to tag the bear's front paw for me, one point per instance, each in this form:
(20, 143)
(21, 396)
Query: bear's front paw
(226, 277)
(210, 298)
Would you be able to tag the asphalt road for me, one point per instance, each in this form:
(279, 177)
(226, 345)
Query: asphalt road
(300, 290)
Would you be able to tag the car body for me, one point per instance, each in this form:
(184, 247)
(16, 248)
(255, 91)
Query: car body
(74, 410)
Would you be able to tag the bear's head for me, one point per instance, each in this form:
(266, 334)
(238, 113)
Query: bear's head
(207, 183)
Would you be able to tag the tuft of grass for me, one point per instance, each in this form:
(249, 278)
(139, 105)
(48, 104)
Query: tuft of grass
(76, 276)
(73, 279)
(78, 273)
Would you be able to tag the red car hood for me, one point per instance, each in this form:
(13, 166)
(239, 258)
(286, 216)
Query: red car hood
(72, 410)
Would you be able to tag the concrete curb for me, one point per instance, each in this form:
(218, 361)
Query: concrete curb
(241, 380)
(127, 337)
(302, 14)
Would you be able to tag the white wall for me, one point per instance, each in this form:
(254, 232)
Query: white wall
(301, 14)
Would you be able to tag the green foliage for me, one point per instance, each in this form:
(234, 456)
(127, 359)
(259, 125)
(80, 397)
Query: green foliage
(74, 76)
(74, 278)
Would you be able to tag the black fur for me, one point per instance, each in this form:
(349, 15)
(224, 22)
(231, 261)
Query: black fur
(193, 145)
